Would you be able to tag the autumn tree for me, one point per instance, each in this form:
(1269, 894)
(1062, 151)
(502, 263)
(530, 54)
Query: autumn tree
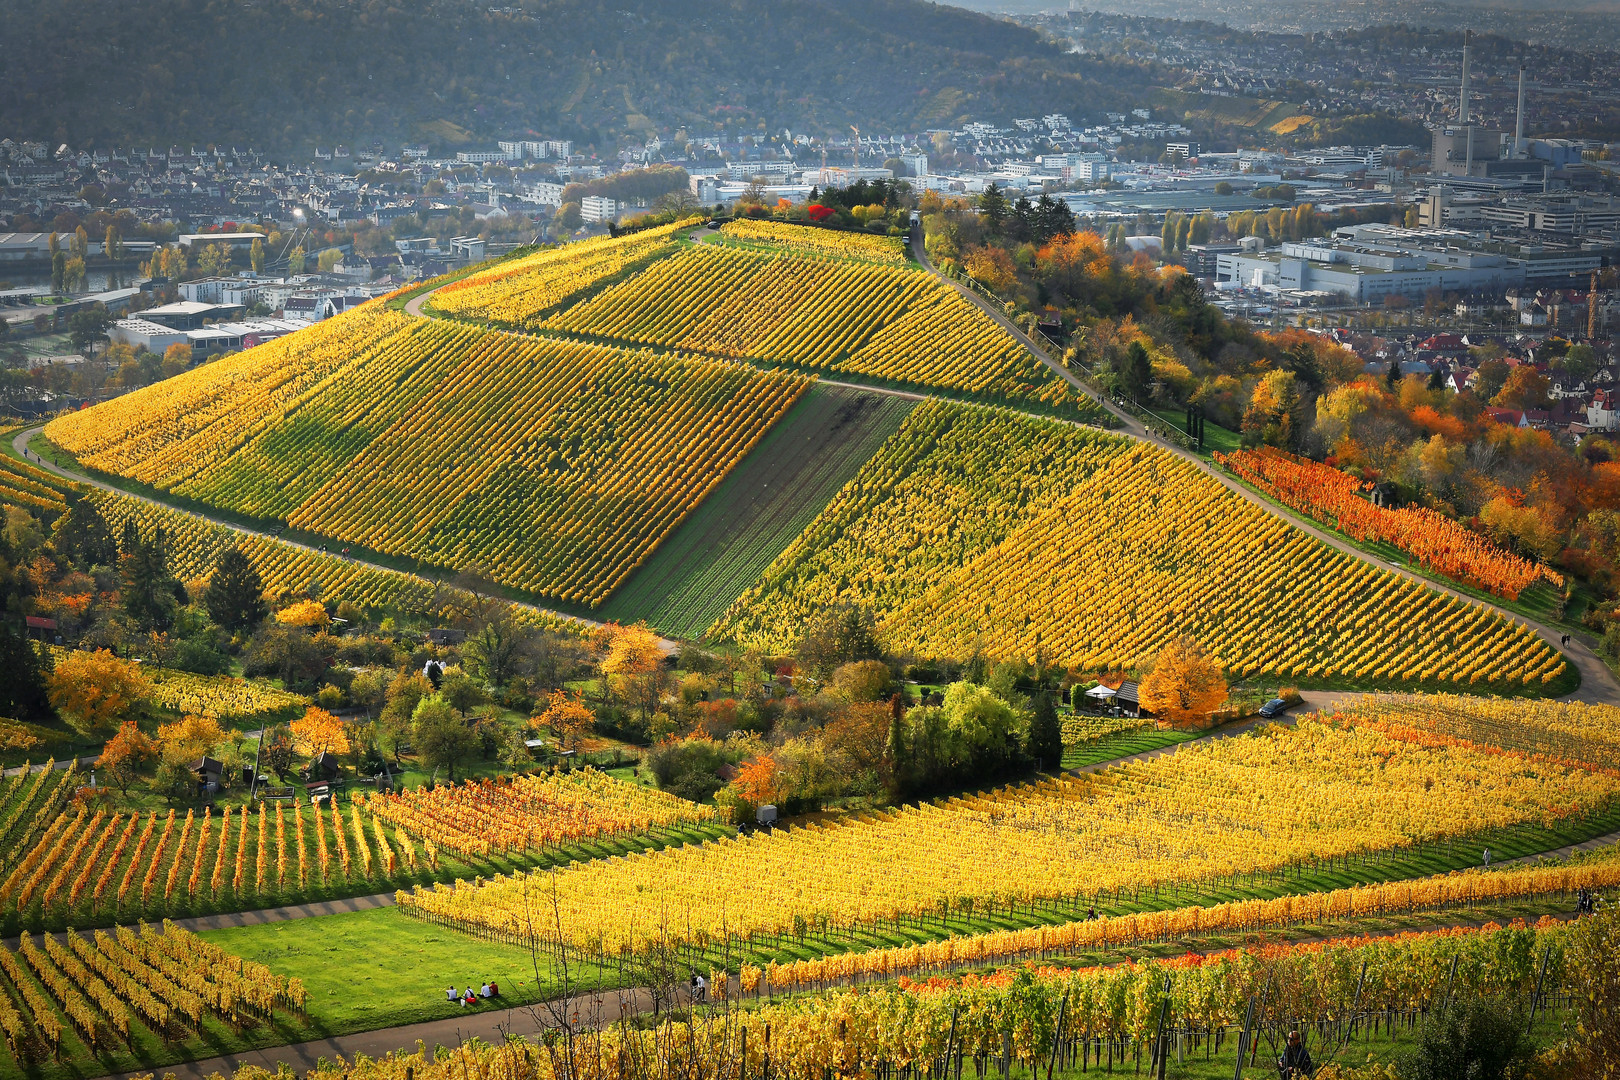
(566, 717)
(310, 614)
(94, 692)
(635, 666)
(1185, 686)
(992, 267)
(758, 782)
(1525, 388)
(189, 738)
(235, 594)
(122, 756)
(319, 732)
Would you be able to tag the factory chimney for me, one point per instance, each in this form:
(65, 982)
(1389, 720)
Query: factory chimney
(1462, 108)
(1518, 121)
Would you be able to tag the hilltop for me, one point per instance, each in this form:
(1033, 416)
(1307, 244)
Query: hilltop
(288, 74)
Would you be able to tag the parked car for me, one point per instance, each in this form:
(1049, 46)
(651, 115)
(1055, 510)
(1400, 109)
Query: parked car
(1275, 707)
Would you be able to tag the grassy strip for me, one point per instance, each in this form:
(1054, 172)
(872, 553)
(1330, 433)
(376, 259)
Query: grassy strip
(758, 510)
(1124, 744)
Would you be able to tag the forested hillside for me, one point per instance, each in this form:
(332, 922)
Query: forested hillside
(288, 74)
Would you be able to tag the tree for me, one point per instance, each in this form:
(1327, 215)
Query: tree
(1045, 734)
(150, 594)
(23, 690)
(1185, 686)
(295, 261)
(189, 738)
(58, 270)
(319, 732)
(1475, 1039)
(1135, 372)
(566, 717)
(635, 664)
(88, 328)
(993, 208)
(82, 535)
(992, 267)
(839, 634)
(121, 758)
(1526, 388)
(276, 752)
(759, 782)
(256, 256)
(863, 680)
(1489, 378)
(1592, 959)
(235, 594)
(174, 781)
(95, 691)
(442, 738)
(308, 614)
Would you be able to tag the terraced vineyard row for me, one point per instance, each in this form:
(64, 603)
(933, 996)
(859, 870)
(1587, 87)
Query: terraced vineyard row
(1118, 554)
(519, 292)
(888, 322)
(1190, 817)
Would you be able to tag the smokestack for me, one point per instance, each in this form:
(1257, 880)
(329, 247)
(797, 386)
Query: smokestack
(1462, 107)
(1518, 122)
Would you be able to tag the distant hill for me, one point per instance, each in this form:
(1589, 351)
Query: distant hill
(289, 74)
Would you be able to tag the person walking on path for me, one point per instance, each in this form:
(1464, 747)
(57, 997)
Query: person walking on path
(1487, 858)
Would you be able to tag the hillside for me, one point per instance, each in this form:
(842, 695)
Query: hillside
(642, 442)
(288, 74)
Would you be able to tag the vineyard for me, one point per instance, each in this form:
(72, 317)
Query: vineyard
(85, 865)
(1262, 802)
(519, 292)
(101, 990)
(1035, 1018)
(557, 466)
(758, 510)
(892, 323)
(1568, 732)
(1117, 553)
(1443, 893)
(30, 487)
(888, 249)
(1437, 542)
(531, 813)
(218, 696)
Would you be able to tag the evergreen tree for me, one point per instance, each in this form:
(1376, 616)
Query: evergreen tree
(150, 593)
(1053, 217)
(1392, 377)
(1136, 372)
(1045, 735)
(22, 691)
(1023, 220)
(83, 536)
(993, 208)
(235, 595)
(895, 751)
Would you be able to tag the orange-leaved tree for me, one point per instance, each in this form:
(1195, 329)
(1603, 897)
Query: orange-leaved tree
(319, 732)
(122, 755)
(95, 691)
(1185, 686)
(566, 716)
(758, 782)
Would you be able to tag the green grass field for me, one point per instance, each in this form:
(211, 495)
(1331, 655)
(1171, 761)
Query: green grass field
(1124, 744)
(758, 510)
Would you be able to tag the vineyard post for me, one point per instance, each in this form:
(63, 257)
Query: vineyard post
(1546, 955)
(1057, 1034)
(1356, 1004)
(1451, 979)
(1160, 1047)
(950, 1041)
(1243, 1039)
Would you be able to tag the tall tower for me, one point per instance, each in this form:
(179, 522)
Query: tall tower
(1518, 119)
(1462, 107)
(1591, 308)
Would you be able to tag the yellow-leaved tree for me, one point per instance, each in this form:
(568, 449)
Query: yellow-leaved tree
(94, 691)
(566, 717)
(319, 732)
(1185, 686)
(635, 665)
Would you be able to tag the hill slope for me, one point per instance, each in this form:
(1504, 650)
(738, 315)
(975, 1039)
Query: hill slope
(287, 74)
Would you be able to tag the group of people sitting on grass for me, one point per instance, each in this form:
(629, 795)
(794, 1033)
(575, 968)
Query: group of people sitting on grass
(470, 996)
